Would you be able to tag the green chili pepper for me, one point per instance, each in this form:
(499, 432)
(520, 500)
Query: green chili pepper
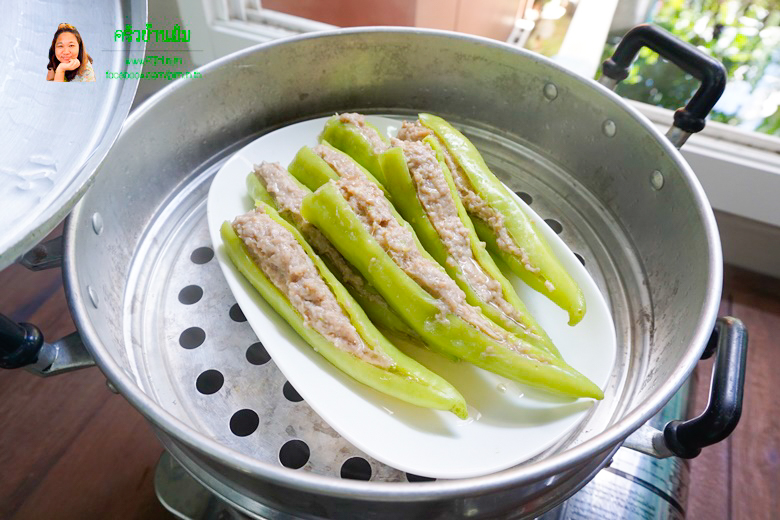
(540, 269)
(405, 379)
(404, 190)
(327, 209)
(369, 299)
(310, 169)
(258, 193)
(348, 138)
(313, 171)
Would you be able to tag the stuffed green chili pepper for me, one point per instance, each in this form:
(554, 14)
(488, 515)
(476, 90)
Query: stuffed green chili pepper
(272, 184)
(351, 133)
(315, 166)
(287, 273)
(356, 217)
(426, 197)
(499, 219)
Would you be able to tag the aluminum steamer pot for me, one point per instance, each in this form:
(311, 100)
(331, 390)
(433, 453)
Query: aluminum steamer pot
(626, 201)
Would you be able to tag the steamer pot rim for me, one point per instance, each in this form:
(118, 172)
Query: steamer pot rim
(385, 491)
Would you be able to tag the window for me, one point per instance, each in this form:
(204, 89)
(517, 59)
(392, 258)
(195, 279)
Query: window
(265, 21)
(744, 35)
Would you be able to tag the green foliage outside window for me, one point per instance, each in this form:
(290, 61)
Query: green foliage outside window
(743, 34)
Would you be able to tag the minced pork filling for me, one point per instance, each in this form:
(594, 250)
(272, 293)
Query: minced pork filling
(280, 185)
(413, 131)
(359, 120)
(434, 195)
(288, 196)
(339, 161)
(283, 260)
(373, 210)
(473, 203)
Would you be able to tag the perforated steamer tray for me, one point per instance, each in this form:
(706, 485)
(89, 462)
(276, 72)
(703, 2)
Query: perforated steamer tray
(208, 368)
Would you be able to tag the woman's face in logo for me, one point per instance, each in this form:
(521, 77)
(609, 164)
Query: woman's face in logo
(67, 47)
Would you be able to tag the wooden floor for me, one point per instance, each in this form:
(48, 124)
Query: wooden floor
(70, 449)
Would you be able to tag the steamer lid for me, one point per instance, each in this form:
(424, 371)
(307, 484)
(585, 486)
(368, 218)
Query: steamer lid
(53, 135)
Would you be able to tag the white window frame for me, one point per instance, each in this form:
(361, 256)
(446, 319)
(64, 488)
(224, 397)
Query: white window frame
(220, 27)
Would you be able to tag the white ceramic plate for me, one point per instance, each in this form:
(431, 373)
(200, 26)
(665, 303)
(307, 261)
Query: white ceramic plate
(509, 422)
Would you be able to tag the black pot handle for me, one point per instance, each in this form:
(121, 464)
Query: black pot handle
(22, 345)
(686, 438)
(709, 71)
(19, 343)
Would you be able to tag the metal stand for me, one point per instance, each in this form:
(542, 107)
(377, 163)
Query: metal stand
(633, 486)
(185, 497)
